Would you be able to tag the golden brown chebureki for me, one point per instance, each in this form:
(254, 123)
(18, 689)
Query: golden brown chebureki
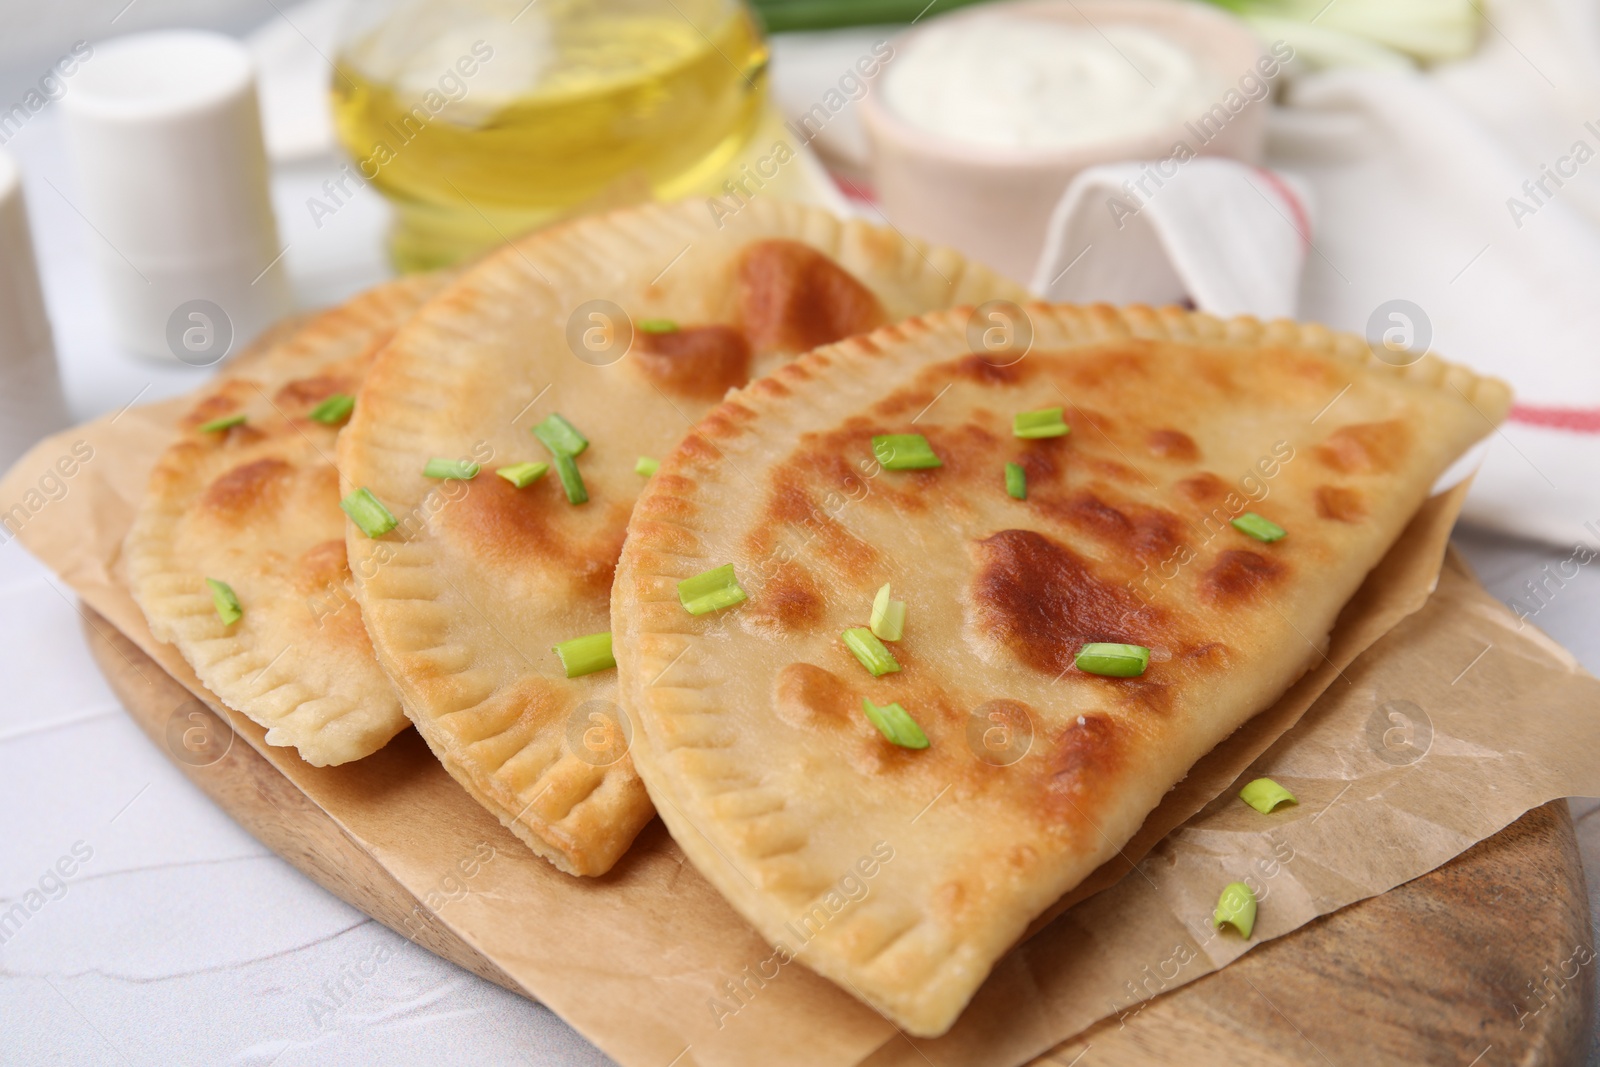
(256, 505)
(749, 723)
(466, 599)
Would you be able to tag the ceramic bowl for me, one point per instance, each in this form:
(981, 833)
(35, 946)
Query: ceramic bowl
(992, 203)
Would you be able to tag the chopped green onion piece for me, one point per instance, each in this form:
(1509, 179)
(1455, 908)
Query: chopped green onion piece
(904, 452)
(571, 480)
(1259, 528)
(560, 436)
(585, 655)
(1016, 481)
(893, 723)
(1043, 423)
(225, 601)
(523, 475)
(450, 468)
(227, 422)
(646, 466)
(888, 616)
(368, 512)
(869, 651)
(1113, 661)
(334, 410)
(1264, 795)
(711, 590)
(1236, 908)
(657, 326)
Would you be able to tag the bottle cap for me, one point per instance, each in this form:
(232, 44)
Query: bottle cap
(165, 132)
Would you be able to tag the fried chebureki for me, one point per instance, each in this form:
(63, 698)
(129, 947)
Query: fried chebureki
(1203, 496)
(249, 497)
(608, 335)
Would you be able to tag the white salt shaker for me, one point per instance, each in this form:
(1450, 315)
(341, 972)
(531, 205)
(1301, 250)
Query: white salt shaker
(30, 386)
(165, 132)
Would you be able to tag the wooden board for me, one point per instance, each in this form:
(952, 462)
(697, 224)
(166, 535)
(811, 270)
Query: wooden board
(1461, 966)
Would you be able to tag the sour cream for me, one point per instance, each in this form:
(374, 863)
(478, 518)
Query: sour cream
(1026, 83)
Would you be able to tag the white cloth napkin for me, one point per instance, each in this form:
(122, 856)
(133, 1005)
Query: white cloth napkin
(1231, 238)
(1411, 188)
(1415, 192)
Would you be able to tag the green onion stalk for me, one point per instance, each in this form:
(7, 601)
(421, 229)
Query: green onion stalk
(1366, 33)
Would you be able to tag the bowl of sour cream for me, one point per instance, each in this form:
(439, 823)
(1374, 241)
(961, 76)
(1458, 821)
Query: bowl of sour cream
(982, 117)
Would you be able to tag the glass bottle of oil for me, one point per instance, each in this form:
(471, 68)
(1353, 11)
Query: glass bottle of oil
(483, 119)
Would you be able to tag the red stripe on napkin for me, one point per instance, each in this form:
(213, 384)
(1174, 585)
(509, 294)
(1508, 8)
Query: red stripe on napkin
(860, 192)
(1578, 420)
(1302, 218)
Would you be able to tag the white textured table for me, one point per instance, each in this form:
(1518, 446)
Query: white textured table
(178, 938)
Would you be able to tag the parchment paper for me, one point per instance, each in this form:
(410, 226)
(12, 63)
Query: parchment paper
(648, 961)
